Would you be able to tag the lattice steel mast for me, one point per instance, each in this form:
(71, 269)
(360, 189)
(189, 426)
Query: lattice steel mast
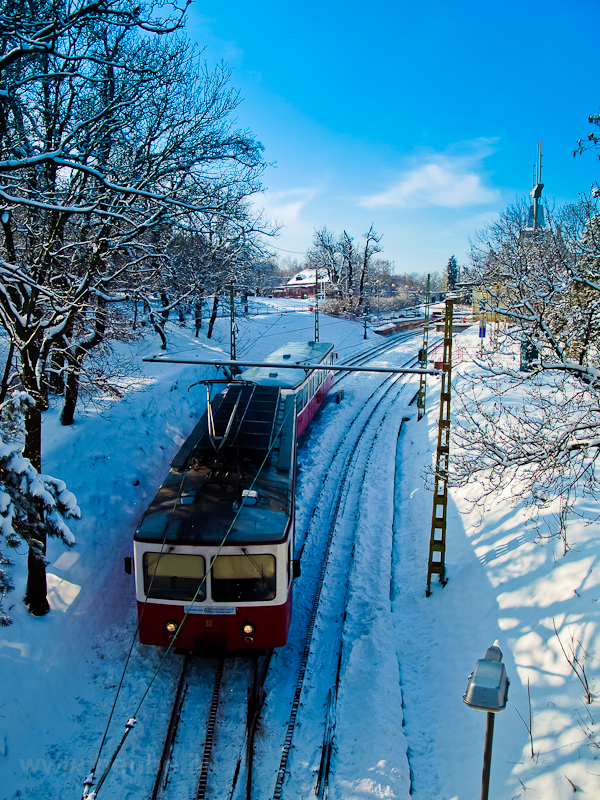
(437, 543)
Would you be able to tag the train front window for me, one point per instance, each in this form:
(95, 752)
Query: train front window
(243, 578)
(173, 576)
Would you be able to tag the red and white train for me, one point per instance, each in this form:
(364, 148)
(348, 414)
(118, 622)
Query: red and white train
(308, 386)
(214, 551)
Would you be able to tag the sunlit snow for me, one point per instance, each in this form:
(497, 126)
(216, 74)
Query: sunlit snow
(402, 727)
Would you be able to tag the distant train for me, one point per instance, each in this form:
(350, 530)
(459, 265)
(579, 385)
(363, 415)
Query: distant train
(214, 551)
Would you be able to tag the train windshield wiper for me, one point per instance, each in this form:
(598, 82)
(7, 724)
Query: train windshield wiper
(270, 585)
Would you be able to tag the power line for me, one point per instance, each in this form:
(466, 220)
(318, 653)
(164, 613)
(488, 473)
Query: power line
(295, 252)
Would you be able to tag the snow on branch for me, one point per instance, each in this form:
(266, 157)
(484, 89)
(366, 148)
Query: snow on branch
(38, 34)
(528, 414)
(29, 501)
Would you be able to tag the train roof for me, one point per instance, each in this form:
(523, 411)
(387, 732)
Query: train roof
(252, 448)
(295, 353)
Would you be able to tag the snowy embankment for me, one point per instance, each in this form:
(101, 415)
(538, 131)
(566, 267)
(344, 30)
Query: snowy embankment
(59, 673)
(506, 584)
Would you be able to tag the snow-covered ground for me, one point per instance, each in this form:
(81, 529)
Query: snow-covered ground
(58, 674)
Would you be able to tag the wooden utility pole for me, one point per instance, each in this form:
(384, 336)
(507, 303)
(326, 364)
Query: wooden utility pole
(437, 544)
(317, 304)
(232, 354)
(423, 384)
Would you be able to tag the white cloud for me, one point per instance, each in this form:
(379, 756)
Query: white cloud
(286, 206)
(451, 182)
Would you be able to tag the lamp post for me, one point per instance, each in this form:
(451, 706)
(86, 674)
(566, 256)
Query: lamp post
(487, 690)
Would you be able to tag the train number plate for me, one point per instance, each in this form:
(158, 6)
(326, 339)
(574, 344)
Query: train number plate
(212, 610)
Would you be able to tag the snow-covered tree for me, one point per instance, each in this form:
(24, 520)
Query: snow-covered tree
(32, 507)
(327, 253)
(112, 133)
(451, 274)
(371, 248)
(346, 263)
(542, 288)
(592, 139)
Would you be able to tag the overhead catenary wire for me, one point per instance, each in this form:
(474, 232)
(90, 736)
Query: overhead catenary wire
(89, 791)
(91, 777)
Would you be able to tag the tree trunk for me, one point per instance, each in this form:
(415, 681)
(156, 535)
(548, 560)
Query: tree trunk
(57, 365)
(157, 327)
(35, 596)
(75, 359)
(33, 435)
(164, 301)
(8, 238)
(213, 317)
(67, 413)
(6, 376)
(198, 316)
(361, 287)
(181, 310)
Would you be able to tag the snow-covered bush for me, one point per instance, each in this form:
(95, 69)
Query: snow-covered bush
(31, 504)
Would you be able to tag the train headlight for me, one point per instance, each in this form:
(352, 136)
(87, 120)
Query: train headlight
(171, 627)
(248, 628)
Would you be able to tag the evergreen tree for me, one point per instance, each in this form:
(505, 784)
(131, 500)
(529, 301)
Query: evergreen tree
(32, 507)
(451, 274)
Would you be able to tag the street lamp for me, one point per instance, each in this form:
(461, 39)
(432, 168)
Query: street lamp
(487, 690)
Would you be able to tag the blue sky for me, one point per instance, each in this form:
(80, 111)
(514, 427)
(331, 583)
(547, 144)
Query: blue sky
(422, 119)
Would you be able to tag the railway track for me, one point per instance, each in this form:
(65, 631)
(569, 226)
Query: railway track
(200, 725)
(346, 472)
(231, 757)
(387, 345)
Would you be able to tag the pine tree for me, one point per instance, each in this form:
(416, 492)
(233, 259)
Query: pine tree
(32, 507)
(451, 274)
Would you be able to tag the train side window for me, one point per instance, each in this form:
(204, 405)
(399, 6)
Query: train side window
(243, 578)
(173, 576)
